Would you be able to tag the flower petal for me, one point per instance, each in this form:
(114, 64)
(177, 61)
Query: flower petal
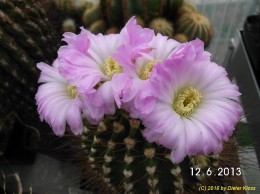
(106, 92)
(74, 118)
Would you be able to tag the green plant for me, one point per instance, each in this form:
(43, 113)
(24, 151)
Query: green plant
(124, 162)
(27, 37)
(167, 17)
(194, 25)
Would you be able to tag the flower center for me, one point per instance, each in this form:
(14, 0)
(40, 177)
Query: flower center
(186, 101)
(72, 90)
(147, 69)
(111, 67)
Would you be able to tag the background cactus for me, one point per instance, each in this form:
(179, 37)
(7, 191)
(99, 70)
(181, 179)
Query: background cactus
(186, 7)
(162, 16)
(194, 25)
(127, 163)
(162, 26)
(26, 37)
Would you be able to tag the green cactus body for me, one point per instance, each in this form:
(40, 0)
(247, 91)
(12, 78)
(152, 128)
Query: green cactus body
(146, 9)
(90, 15)
(140, 21)
(113, 12)
(129, 164)
(173, 7)
(20, 55)
(98, 26)
(26, 38)
(180, 37)
(66, 6)
(130, 8)
(116, 13)
(186, 7)
(152, 9)
(112, 30)
(69, 25)
(81, 5)
(35, 25)
(161, 25)
(195, 25)
(15, 30)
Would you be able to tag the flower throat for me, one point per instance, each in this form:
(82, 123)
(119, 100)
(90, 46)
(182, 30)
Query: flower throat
(186, 101)
(111, 67)
(72, 90)
(147, 69)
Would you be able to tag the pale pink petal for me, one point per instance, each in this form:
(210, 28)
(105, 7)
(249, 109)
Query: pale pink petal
(106, 92)
(213, 118)
(121, 87)
(179, 150)
(55, 105)
(74, 118)
(136, 38)
(145, 100)
(194, 144)
(79, 42)
(49, 74)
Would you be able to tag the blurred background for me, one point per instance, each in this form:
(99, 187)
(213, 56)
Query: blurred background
(32, 159)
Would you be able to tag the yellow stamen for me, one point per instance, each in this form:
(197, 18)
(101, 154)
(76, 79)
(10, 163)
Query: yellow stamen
(72, 90)
(147, 69)
(186, 101)
(111, 67)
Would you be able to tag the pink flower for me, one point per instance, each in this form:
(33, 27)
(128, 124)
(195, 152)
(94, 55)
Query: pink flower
(58, 103)
(196, 106)
(92, 67)
(135, 39)
(127, 86)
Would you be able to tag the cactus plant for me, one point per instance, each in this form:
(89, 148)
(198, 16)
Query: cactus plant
(127, 163)
(69, 25)
(180, 37)
(161, 25)
(147, 139)
(186, 7)
(194, 25)
(147, 9)
(98, 26)
(173, 7)
(116, 12)
(65, 5)
(90, 15)
(26, 37)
